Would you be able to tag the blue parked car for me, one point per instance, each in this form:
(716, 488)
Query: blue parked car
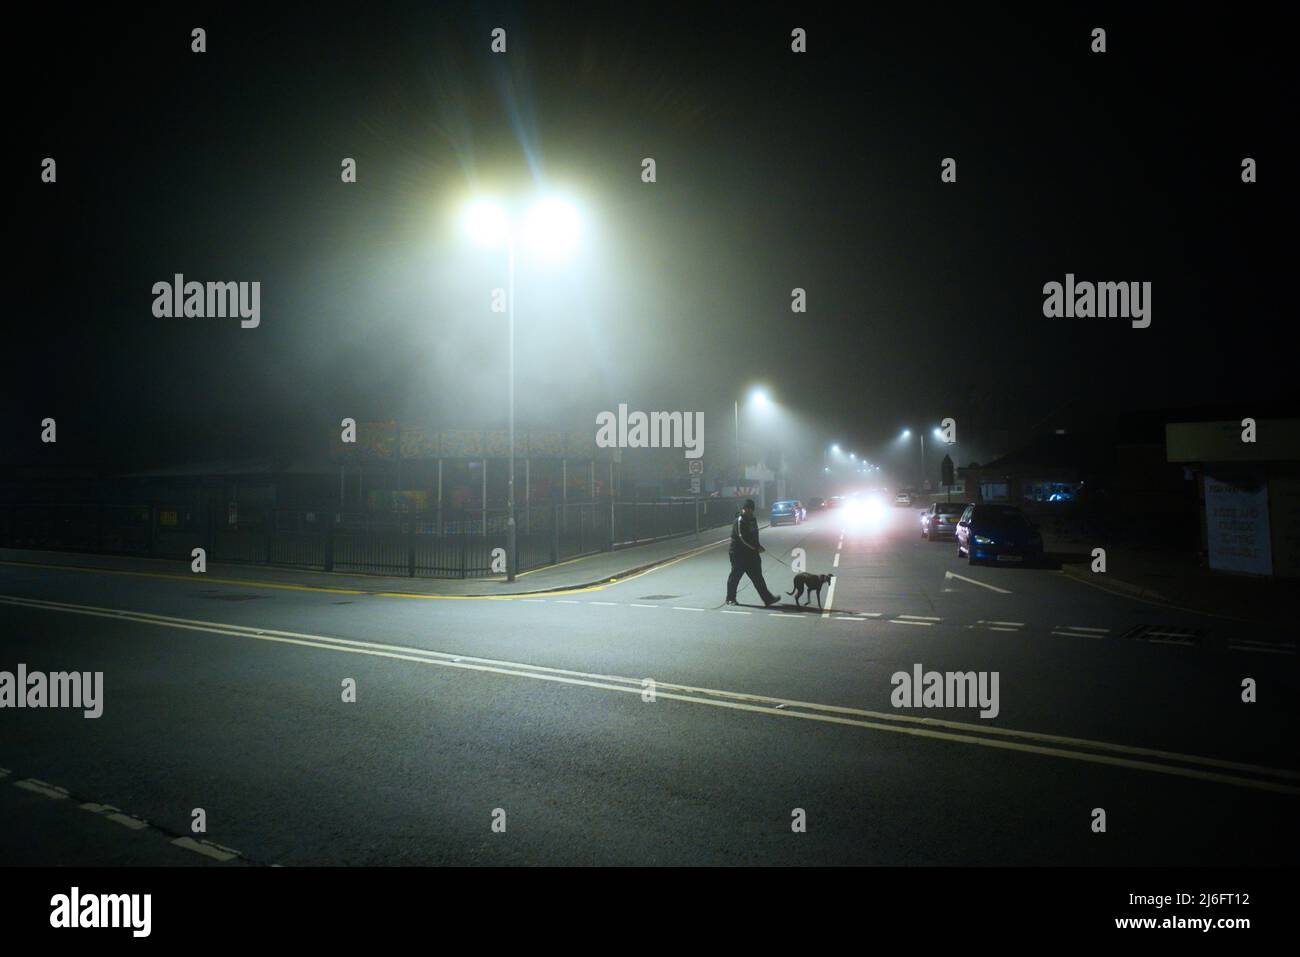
(787, 511)
(998, 533)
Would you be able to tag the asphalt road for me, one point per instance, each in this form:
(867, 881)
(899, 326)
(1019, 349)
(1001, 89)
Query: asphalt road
(537, 712)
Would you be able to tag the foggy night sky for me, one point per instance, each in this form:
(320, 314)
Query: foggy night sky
(775, 170)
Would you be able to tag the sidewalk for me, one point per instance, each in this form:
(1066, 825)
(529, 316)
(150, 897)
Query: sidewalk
(1177, 578)
(575, 573)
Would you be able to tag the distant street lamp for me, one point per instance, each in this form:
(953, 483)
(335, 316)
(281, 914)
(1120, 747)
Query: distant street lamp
(551, 227)
(760, 399)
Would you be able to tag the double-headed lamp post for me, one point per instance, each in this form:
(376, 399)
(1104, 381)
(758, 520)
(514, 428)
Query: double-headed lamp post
(551, 227)
(921, 433)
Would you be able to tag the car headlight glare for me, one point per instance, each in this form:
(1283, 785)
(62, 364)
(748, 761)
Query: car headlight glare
(981, 540)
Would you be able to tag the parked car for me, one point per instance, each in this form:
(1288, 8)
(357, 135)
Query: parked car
(998, 533)
(816, 504)
(787, 512)
(940, 520)
(903, 500)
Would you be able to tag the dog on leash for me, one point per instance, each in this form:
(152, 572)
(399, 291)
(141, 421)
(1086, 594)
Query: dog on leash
(807, 581)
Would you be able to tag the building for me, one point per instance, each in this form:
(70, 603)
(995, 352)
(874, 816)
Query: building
(1247, 478)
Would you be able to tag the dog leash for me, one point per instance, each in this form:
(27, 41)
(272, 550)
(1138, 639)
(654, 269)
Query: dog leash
(775, 559)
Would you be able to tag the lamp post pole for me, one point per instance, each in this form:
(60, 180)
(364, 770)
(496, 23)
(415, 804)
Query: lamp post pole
(923, 476)
(739, 467)
(512, 553)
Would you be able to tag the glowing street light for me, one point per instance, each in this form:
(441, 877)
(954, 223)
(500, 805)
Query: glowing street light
(907, 434)
(758, 398)
(550, 228)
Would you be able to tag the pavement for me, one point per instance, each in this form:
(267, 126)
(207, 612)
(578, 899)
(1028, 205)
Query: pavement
(642, 721)
(582, 572)
(1182, 579)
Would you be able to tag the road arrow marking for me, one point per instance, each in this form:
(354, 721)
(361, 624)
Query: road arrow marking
(1002, 591)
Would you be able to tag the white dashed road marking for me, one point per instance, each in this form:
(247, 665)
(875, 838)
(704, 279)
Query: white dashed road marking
(40, 787)
(1250, 644)
(206, 848)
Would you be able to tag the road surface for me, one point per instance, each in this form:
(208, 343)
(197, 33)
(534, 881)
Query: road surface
(526, 730)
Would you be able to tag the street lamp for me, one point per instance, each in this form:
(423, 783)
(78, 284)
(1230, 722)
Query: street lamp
(937, 434)
(759, 398)
(551, 228)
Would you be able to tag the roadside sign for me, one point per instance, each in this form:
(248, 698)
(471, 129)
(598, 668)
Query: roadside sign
(695, 484)
(695, 466)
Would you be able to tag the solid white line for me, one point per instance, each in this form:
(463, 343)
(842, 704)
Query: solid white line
(923, 624)
(729, 611)
(920, 617)
(1002, 591)
(635, 605)
(830, 593)
(532, 599)
(836, 563)
(567, 601)
(1018, 624)
(611, 603)
(681, 608)
(1075, 634)
(849, 618)
(1082, 628)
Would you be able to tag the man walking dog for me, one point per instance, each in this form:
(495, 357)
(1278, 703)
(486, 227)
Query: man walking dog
(744, 555)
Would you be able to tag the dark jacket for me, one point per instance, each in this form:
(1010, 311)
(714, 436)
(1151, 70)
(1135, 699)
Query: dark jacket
(744, 536)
